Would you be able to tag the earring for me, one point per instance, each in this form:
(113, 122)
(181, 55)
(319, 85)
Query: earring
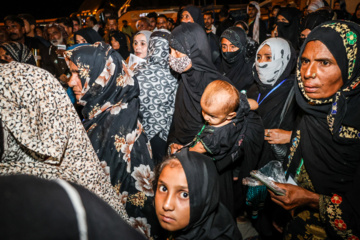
(313, 75)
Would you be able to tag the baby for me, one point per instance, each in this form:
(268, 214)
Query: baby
(221, 105)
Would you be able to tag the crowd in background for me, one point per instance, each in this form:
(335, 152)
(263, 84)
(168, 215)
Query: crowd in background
(166, 120)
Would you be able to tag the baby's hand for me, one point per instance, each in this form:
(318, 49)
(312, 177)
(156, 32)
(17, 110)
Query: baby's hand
(253, 104)
(175, 147)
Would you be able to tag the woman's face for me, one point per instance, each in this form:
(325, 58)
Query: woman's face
(115, 44)
(172, 202)
(140, 45)
(186, 17)
(80, 39)
(177, 54)
(227, 46)
(264, 54)
(319, 71)
(305, 33)
(75, 82)
(281, 18)
(358, 12)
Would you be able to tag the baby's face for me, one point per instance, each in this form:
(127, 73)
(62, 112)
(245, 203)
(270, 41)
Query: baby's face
(214, 114)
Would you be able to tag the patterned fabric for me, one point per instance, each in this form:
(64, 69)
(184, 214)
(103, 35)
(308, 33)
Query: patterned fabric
(19, 52)
(157, 87)
(43, 135)
(111, 111)
(329, 146)
(270, 72)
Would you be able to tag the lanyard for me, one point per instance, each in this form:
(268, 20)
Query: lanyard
(272, 90)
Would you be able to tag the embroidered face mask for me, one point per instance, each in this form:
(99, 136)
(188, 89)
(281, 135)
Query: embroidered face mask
(179, 64)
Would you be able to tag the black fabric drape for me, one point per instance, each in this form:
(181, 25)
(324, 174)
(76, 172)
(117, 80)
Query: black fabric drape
(239, 71)
(191, 39)
(209, 219)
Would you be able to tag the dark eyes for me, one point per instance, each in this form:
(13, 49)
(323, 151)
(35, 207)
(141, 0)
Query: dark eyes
(162, 188)
(184, 195)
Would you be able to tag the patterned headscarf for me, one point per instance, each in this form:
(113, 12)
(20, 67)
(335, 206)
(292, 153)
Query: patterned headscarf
(341, 38)
(157, 87)
(270, 72)
(19, 52)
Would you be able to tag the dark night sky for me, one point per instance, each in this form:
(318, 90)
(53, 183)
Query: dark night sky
(40, 9)
(43, 9)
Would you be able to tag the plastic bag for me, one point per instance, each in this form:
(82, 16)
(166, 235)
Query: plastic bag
(267, 175)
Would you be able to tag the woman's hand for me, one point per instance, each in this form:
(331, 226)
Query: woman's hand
(277, 136)
(294, 197)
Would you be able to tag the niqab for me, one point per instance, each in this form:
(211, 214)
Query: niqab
(290, 31)
(238, 69)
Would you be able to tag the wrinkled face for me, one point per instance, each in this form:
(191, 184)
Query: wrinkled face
(264, 54)
(281, 18)
(15, 30)
(4, 56)
(55, 36)
(161, 23)
(152, 23)
(112, 25)
(172, 200)
(252, 12)
(141, 25)
(75, 82)
(115, 44)
(76, 26)
(208, 21)
(186, 17)
(140, 45)
(227, 46)
(80, 39)
(319, 71)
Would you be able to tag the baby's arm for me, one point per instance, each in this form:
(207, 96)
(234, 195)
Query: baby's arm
(199, 147)
(253, 104)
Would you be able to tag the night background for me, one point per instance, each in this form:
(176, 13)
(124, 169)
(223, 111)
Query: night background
(44, 9)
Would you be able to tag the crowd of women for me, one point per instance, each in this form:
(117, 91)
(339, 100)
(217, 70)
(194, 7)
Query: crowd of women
(167, 141)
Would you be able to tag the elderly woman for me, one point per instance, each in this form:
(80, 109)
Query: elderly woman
(112, 121)
(236, 64)
(41, 134)
(324, 156)
(141, 43)
(14, 51)
(157, 92)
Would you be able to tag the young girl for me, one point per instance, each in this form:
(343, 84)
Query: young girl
(187, 199)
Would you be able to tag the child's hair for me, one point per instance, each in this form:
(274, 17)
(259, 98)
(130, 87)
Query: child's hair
(216, 89)
(170, 161)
